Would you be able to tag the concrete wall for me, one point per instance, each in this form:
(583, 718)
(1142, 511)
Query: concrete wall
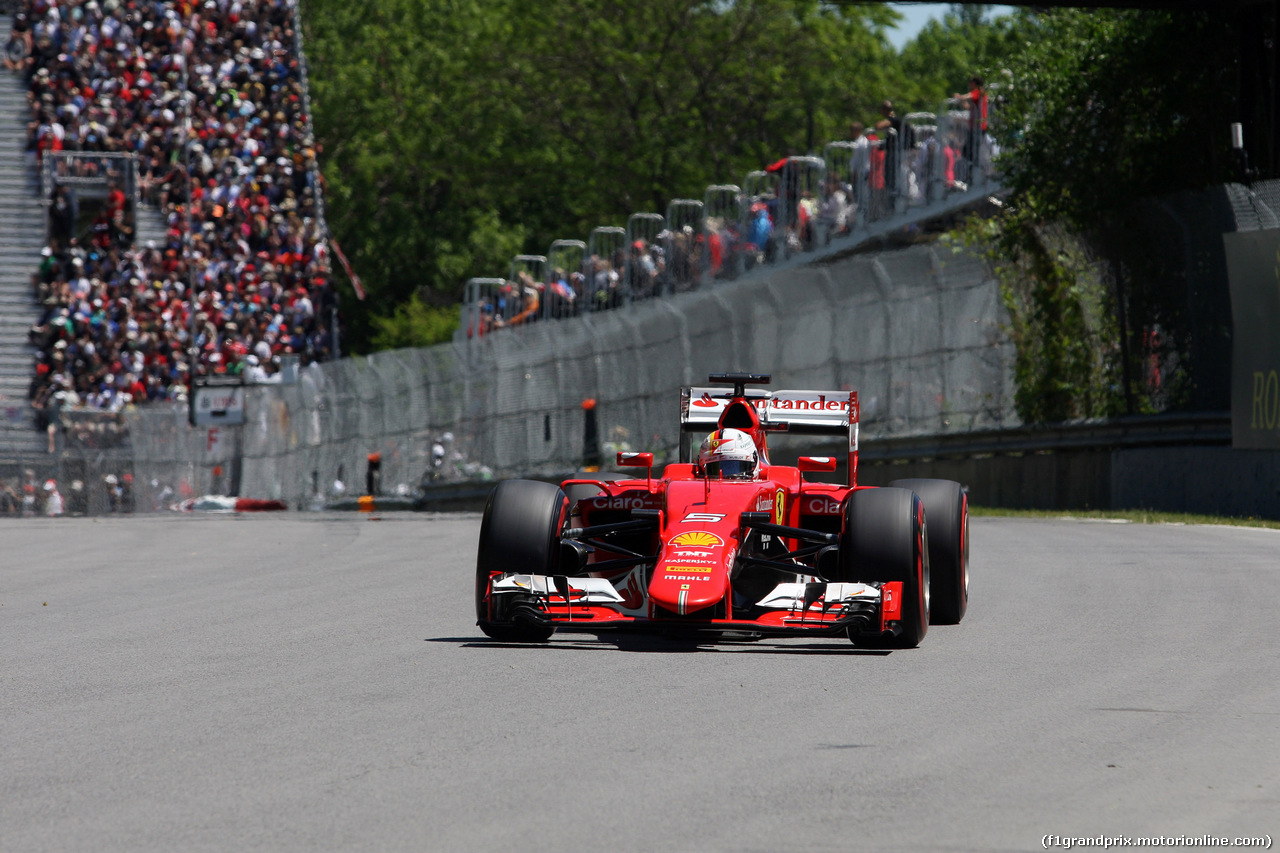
(918, 332)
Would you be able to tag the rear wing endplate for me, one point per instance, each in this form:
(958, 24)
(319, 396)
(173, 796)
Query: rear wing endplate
(792, 412)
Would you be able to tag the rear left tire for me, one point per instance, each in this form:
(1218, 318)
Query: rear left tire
(946, 510)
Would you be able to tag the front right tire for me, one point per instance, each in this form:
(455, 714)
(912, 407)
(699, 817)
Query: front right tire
(520, 532)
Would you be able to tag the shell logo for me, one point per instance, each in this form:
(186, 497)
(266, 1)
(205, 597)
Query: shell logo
(697, 539)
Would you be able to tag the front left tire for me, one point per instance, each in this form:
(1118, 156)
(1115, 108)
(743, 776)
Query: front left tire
(884, 539)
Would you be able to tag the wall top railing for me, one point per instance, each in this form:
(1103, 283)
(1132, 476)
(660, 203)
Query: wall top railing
(1167, 430)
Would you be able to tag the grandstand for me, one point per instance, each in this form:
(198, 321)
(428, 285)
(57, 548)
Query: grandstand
(150, 178)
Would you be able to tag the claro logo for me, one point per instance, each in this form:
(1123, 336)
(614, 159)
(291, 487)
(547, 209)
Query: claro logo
(821, 506)
(617, 503)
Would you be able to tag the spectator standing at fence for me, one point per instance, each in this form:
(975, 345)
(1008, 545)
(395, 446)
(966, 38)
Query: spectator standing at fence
(115, 200)
(10, 502)
(52, 499)
(61, 216)
(77, 499)
(890, 126)
(976, 101)
(858, 134)
(861, 147)
(115, 494)
(761, 230)
(604, 284)
(48, 405)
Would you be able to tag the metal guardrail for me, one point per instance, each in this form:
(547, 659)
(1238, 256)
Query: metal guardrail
(1194, 429)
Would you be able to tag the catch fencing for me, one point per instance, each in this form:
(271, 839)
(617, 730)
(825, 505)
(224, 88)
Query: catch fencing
(799, 205)
(916, 332)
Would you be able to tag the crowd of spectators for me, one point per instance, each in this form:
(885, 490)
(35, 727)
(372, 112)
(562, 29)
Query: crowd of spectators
(209, 98)
(28, 496)
(793, 205)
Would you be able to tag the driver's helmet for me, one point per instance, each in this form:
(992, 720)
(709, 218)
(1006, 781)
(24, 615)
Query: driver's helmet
(728, 454)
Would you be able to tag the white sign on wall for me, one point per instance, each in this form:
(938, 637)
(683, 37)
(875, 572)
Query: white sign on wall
(215, 405)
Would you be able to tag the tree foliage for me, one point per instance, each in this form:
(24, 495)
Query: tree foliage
(457, 133)
(1101, 111)
(1061, 320)
(1109, 106)
(411, 132)
(965, 41)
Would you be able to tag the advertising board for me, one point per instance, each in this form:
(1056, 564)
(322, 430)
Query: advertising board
(1253, 268)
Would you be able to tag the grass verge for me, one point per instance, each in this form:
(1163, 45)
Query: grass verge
(1134, 516)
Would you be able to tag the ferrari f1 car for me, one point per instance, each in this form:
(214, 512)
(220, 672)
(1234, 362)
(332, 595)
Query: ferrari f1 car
(728, 542)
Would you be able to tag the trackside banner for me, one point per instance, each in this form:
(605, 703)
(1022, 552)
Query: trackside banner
(1253, 268)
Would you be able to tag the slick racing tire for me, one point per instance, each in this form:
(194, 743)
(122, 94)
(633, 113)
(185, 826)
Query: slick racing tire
(884, 539)
(946, 511)
(520, 532)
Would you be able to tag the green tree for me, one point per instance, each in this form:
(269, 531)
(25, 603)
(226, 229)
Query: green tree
(409, 127)
(457, 133)
(656, 100)
(1100, 112)
(942, 57)
(1106, 109)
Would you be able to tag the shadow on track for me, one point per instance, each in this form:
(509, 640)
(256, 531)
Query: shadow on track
(651, 644)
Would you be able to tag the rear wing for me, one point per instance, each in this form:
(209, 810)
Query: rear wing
(792, 412)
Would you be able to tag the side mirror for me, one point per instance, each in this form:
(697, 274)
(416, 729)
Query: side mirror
(816, 463)
(642, 460)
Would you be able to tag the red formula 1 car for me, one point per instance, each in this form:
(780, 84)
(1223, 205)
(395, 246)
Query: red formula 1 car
(726, 541)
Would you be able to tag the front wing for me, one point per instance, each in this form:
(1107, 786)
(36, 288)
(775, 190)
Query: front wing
(790, 608)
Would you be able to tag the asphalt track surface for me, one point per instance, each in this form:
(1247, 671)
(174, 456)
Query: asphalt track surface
(316, 683)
